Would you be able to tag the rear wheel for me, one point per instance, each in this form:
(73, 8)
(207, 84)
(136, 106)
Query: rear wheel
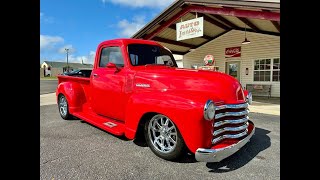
(63, 107)
(164, 138)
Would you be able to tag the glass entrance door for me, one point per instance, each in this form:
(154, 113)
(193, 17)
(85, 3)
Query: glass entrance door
(233, 69)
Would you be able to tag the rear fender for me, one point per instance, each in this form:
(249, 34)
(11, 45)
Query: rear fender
(74, 93)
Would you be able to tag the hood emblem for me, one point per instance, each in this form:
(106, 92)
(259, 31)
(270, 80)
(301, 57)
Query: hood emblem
(143, 85)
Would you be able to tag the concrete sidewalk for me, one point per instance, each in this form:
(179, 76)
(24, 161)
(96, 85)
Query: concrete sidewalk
(257, 107)
(48, 99)
(265, 108)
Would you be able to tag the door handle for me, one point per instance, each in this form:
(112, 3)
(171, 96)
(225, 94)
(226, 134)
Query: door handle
(95, 75)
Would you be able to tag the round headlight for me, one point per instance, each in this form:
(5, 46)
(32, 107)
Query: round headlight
(249, 98)
(209, 110)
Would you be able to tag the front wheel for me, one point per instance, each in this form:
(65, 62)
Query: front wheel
(164, 138)
(63, 107)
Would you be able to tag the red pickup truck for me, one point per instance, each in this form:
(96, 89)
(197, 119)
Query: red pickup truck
(136, 88)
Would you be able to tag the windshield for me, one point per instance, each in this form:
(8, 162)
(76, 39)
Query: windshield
(143, 54)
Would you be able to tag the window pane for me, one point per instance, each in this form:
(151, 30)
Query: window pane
(256, 62)
(275, 73)
(268, 61)
(267, 76)
(262, 61)
(256, 67)
(261, 76)
(275, 78)
(256, 76)
(276, 60)
(111, 54)
(262, 67)
(134, 59)
(275, 66)
(268, 66)
(116, 57)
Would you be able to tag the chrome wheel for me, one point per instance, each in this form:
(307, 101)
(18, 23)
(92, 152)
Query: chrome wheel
(63, 106)
(162, 134)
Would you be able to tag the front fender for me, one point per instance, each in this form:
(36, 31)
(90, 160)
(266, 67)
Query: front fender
(184, 112)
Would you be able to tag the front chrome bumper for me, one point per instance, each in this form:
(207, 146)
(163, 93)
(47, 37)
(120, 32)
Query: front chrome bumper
(217, 155)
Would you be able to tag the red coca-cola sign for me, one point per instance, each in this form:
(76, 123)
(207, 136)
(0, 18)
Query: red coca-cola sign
(233, 52)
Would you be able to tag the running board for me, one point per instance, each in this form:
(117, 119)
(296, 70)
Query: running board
(107, 124)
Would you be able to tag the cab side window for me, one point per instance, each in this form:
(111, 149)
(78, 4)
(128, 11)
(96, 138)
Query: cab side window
(111, 54)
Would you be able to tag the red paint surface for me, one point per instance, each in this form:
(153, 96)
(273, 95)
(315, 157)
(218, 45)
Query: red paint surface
(180, 94)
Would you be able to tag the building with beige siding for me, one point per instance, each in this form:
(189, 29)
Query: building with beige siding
(263, 50)
(242, 36)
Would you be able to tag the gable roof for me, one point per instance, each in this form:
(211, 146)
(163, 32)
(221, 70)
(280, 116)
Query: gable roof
(55, 64)
(219, 17)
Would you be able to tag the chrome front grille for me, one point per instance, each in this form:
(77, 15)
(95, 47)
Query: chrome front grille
(230, 122)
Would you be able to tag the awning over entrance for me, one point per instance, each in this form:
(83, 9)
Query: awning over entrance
(220, 16)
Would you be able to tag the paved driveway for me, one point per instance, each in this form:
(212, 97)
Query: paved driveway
(76, 150)
(48, 86)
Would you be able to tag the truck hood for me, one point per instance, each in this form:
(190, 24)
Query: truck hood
(190, 83)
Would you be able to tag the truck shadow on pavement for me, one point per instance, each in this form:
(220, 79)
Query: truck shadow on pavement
(259, 142)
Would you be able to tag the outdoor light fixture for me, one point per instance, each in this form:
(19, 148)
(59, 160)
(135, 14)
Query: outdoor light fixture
(246, 41)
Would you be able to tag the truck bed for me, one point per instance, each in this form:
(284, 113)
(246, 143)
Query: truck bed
(63, 78)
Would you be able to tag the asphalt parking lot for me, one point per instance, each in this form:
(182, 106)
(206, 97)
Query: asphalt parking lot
(76, 150)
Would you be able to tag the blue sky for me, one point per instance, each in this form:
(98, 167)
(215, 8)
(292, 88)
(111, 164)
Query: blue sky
(81, 25)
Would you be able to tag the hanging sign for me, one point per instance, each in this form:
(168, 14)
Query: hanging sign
(189, 29)
(233, 52)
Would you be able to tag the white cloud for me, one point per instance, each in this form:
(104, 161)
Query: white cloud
(44, 18)
(141, 3)
(48, 42)
(86, 59)
(53, 49)
(62, 50)
(127, 28)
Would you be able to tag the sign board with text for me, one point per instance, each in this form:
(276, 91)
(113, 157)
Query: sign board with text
(189, 29)
(233, 52)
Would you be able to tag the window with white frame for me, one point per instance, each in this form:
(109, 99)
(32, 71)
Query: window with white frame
(262, 70)
(266, 70)
(276, 69)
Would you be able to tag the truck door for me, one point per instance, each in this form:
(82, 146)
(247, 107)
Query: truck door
(108, 84)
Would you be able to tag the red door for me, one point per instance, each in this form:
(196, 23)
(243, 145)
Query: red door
(108, 84)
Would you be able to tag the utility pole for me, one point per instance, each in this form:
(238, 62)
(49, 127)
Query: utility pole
(67, 50)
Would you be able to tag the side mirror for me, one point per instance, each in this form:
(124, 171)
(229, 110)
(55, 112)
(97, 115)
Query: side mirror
(112, 65)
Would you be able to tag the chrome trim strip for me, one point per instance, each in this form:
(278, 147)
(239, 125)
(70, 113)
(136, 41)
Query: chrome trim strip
(230, 136)
(217, 155)
(240, 113)
(239, 128)
(232, 106)
(233, 121)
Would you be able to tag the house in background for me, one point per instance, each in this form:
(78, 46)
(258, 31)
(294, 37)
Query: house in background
(53, 68)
